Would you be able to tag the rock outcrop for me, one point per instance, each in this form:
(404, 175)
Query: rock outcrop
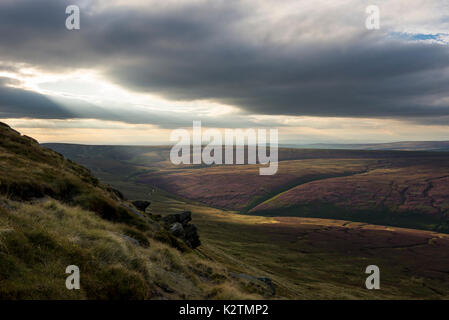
(142, 205)
(179, 226)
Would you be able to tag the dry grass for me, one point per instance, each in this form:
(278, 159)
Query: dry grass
(38, 241)
(54, 213)
(310, 258)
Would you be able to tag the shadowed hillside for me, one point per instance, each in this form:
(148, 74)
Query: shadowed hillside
(414, 196)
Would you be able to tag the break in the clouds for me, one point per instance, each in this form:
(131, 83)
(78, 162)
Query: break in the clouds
(281, 58)
(17, 103)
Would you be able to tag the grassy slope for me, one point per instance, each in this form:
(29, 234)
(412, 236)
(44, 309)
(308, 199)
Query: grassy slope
(39, 240)
(318, 258)
(54, 213)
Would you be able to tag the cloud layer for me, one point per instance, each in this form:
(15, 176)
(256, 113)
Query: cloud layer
(295, 58)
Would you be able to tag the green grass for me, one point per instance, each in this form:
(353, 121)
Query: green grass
(38, 241)
(55, 213)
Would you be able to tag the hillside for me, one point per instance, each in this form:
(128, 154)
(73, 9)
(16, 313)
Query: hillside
(241, 187)
(55, 213)
(309, 258)
(306, 258)
(401, 145)
(415, 196)
(397, 188)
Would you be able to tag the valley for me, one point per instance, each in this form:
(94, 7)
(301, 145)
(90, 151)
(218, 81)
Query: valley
(309, 258)
(254, 227)
(396, 188)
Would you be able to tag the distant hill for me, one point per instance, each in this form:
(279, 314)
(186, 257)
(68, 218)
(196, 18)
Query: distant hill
(402, 146)
(386, 187)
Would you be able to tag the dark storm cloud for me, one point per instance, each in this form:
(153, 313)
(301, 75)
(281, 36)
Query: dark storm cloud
(197, 53)
(18, 103)
(372, 81)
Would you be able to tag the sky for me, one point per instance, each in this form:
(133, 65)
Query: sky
(136, 70)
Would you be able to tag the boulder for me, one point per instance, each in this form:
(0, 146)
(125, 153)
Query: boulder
(142, 205)
(177, 230)
(191, 236)
(183, 218)
(179, 226)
